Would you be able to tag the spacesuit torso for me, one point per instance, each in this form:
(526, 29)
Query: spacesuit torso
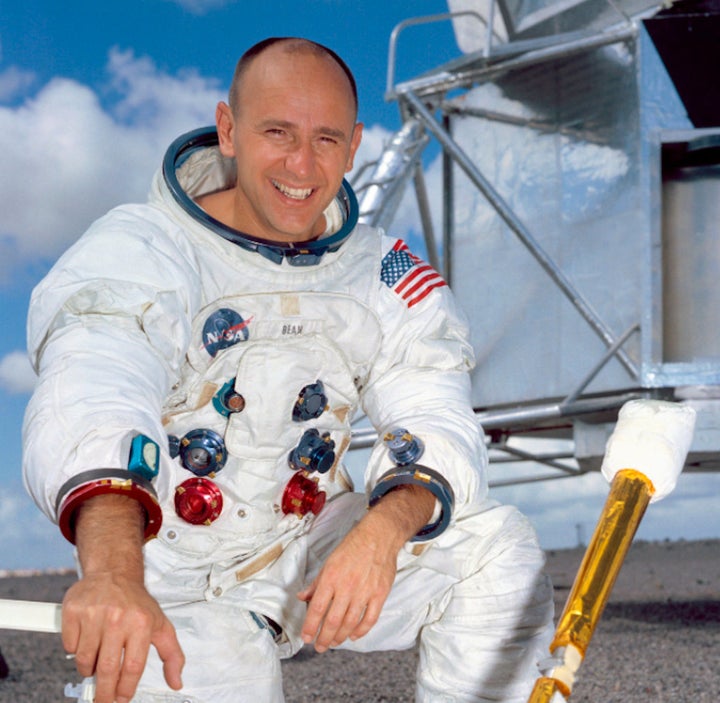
(268, 389)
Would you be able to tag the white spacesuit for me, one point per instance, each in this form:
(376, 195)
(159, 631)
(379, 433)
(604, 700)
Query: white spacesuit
(213, 377)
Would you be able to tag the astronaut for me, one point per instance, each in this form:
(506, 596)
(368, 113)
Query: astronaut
(200, 360)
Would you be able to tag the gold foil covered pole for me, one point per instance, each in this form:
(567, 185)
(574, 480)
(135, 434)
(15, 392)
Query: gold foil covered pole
(630, 493)
(545, 689)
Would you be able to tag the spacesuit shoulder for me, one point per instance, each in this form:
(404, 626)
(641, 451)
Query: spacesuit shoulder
(124, 259)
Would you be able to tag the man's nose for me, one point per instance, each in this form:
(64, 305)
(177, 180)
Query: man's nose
(301, 159)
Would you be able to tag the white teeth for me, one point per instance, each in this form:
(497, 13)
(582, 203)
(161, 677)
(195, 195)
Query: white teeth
(295, 193)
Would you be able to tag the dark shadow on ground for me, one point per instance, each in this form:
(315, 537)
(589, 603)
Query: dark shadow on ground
(700, 613)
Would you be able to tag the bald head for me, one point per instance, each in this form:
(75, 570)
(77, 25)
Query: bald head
(291, 128)
(287, 45)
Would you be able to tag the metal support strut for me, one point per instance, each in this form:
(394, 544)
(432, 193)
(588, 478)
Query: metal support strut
(504, 210)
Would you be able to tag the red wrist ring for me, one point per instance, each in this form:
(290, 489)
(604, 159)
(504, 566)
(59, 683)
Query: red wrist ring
(126, 487)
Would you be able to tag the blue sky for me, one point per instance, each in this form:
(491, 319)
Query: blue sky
(90, 96)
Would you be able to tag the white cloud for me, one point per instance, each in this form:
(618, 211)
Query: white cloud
(30, 540)
(565, 512)
(374, 139)
(14, 81)
(153, 100)
(16, 374)
(80, 158)
(200, 7)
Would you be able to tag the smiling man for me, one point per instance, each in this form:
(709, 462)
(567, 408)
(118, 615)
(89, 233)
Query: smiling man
(292, 141)
(201, 358)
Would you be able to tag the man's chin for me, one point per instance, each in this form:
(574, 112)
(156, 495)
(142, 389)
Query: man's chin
(292, 234)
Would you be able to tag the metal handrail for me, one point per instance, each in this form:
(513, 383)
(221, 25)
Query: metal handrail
(413, 22)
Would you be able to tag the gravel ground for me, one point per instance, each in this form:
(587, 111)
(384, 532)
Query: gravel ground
(658, 640)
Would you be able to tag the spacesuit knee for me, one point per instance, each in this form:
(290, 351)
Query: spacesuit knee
(488, 641)
(230, 657)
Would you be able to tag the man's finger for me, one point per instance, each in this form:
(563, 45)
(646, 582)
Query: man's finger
(317, 609)
(307, 593)
(369, 618)
(353, 617)
(333, 622)
(133, 665)
(169, 650)
(86, 651)
(108, 666)
(70, 633)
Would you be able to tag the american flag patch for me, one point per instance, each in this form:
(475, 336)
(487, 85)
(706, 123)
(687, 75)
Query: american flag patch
(409, 276)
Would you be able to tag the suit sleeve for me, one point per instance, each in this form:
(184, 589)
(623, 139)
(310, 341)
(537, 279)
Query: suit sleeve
(421, 384)
(107, 331)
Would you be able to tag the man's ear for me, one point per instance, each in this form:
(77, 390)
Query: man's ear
(225, 124)
(354, 144)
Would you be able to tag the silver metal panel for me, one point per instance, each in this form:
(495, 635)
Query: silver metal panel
(538, 18)
(525, 20)
(571, 145)
(691, 261)
(684, 347)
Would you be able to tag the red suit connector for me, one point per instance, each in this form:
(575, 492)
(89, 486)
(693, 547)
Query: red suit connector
(302, 496)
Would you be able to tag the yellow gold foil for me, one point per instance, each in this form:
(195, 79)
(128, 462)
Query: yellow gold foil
(544, 690)
(629, 496)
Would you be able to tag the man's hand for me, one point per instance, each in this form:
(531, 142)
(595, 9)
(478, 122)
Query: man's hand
(348, 594)
(109, 619)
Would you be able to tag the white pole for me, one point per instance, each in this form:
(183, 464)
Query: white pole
(30, 615)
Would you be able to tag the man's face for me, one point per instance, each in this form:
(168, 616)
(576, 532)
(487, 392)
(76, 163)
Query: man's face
(294, 137)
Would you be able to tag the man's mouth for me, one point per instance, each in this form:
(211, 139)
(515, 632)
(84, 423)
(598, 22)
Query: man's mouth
(294, 193)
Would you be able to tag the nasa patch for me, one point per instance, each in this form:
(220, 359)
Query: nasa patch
(223, 329)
